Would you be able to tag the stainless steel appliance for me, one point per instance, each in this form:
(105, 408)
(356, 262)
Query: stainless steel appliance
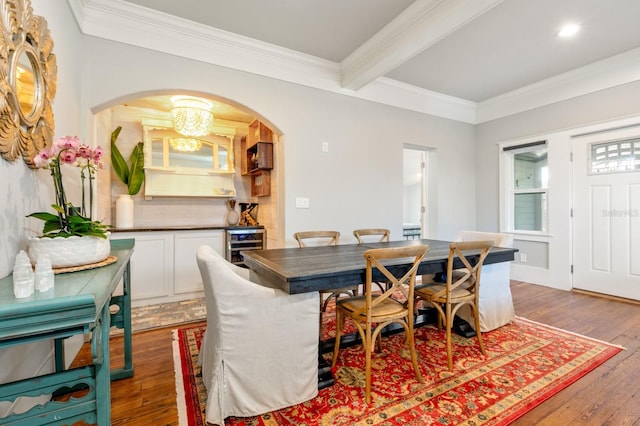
(241, 238)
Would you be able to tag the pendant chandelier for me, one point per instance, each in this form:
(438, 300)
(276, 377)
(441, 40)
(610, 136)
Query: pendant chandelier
(191, 116)
(185, 144)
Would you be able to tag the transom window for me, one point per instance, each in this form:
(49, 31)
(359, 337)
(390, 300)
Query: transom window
(615, 157)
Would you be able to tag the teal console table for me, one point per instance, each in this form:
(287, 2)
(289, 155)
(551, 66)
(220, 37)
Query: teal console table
(80, 303)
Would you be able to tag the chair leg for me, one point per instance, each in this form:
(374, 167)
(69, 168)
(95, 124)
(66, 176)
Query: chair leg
(412, 350)
(368, 347)
(336, 346)
(476, 315)
(448, 326)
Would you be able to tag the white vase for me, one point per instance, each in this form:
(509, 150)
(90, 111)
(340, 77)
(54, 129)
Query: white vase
(124, 211)
(71, 251)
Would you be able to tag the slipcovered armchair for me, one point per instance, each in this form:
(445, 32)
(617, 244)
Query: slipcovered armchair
(260, 349)
(495, 302)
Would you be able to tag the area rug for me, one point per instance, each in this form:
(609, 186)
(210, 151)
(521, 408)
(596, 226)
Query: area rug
(527, 363)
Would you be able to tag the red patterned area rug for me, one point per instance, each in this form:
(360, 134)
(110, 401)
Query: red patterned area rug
(527, 363)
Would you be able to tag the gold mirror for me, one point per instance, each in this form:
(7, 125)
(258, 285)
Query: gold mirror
(28, 71)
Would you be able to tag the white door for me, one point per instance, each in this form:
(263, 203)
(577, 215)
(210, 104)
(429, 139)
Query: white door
(606, 213)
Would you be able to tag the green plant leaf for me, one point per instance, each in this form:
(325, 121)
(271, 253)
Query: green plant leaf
(117, 160)
(136, 174)
(44, 216)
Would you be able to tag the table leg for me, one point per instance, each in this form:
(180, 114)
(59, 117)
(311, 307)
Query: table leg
(123, 320)
(100, 352)
(59, 354)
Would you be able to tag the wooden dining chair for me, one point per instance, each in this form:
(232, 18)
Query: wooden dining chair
(462, 287)
(372, 312)
(324, 238)
(377, 235)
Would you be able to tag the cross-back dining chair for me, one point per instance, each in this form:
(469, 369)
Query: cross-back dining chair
(377, 235)
(372, 312)
(462, 287)
(323, 238)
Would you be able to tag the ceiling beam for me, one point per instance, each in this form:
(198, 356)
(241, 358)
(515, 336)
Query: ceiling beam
(421, 25)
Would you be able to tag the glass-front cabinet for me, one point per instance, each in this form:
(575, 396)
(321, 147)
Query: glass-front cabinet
(177, 165)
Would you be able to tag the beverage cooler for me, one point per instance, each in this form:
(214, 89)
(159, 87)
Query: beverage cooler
(241, 238)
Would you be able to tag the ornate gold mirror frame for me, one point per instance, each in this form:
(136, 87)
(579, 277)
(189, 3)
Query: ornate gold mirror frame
(28, 72)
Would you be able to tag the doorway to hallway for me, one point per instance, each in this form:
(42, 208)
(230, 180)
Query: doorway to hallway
(415, 192)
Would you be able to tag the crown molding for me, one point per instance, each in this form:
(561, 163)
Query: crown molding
(613, 71)
(131, 24)
(138, 26)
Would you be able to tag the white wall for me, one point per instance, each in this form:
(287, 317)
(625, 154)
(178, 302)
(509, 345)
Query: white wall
(24, 190)
(358, 183)
(552, 123)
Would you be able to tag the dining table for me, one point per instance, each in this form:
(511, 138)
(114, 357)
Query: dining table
(324, 268)
(299, 270)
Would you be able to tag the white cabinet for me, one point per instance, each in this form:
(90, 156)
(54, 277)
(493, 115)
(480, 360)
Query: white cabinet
(163, 264)
(186, 273)
(152, 249)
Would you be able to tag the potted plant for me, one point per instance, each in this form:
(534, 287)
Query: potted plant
(131, 175)
(63, 230)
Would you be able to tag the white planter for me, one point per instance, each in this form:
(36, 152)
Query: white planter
(72, 251)
(124, 211)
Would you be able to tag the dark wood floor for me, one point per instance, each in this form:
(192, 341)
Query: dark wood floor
(609, 395)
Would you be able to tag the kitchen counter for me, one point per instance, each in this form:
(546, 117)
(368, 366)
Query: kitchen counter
(181, 228)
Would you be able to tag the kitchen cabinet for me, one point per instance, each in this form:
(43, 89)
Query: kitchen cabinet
(163, 264)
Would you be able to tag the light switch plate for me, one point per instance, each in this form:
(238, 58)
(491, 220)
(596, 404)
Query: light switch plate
(302, 203)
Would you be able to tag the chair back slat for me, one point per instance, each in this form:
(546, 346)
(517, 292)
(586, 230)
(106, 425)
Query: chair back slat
(404, 283)
(384, 235)
(470, 272)
(317, 238)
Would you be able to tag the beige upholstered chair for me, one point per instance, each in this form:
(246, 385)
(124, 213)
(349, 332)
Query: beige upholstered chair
(260, 349)
(378, 235)
(462, 288)
(323, 238)
(495, 303)
(382, 309)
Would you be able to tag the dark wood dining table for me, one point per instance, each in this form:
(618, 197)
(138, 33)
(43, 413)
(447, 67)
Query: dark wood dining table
(308, 269)
(299, 270)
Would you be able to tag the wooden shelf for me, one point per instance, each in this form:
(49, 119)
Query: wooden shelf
(258, 132)
(261, 183)
(257, 158)
(260, 157)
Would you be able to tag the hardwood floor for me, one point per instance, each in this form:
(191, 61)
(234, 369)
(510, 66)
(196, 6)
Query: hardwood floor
(609, 395)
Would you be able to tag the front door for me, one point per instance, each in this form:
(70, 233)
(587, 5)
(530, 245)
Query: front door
(606, 212)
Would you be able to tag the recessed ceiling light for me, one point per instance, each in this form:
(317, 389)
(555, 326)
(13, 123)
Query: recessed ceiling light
(568, 30)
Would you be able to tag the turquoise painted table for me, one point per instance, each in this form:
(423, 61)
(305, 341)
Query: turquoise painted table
(80, 303)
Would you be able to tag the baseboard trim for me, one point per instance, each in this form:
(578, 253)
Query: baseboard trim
(606, 296)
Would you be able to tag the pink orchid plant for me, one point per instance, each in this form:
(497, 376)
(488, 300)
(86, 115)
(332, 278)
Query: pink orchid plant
(70, 220)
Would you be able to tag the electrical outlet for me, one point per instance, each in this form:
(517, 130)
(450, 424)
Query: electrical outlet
(523, 257)
(325, 146)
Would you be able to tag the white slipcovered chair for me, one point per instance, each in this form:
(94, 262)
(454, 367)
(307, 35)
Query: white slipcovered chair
(260, 349)
(496, 303)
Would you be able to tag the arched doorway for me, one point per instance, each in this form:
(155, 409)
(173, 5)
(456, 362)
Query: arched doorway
(138, 112)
